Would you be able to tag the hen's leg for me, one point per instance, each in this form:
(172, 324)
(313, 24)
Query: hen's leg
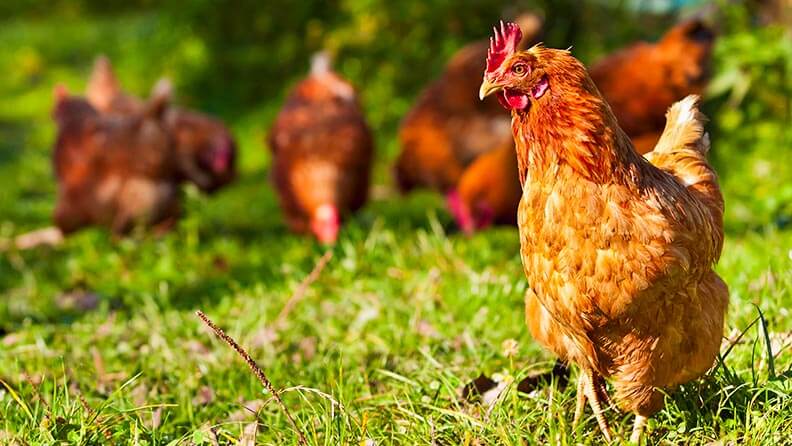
(592, 388)
(638, 428)
(581, 399)
(602, 391)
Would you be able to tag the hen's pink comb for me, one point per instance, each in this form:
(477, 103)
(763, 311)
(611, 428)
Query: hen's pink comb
(60, 92)
(503, 44)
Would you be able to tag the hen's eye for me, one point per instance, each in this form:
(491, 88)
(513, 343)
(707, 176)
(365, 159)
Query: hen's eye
(519, 69)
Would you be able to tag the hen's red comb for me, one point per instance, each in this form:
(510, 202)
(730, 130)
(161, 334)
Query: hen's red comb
(503, 44)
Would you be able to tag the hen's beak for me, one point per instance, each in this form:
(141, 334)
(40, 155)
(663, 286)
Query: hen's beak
(487, 88)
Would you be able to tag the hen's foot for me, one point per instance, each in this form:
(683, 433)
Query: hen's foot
(638, 429)
(591, 387)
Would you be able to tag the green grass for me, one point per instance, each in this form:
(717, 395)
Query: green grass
(404, 315)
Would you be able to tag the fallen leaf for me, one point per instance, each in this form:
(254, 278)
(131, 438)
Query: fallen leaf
(204, 396)
(196, 347)
(42, 237)
(11, 339)
(488, 389)
(34, 379)
(248, 437)
(248, 411)
(489, 397)
(478, 387)
(308, 347)
(264, 336)
(306, 350)
(426, 329)
(559, 375)
(77, 300)
(366, 315)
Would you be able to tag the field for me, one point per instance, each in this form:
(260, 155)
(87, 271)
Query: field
(100, 344)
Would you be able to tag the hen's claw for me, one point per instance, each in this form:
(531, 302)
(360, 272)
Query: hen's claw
(591, 388)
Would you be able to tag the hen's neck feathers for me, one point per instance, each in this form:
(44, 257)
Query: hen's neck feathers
(576, 127)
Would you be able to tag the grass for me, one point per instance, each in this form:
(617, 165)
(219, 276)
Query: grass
(101, 345)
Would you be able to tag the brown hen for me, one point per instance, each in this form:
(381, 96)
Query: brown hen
(641, 82)
(487, 192)
(205, 149)
(618, 249)
(448, 127)
(115, 172)
(322, 151)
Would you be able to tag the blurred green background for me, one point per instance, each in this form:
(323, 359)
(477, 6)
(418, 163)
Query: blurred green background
(237, 59)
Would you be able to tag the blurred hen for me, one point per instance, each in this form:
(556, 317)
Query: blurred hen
(205, 150)
(322, 151)
(115, 172)
(488, 191)
(641, 82)
(448, 127)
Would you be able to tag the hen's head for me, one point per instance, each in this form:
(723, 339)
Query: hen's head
(205, 147)
(524, 79)
(69, 108)
(687, 52)
(469, 213)
(326, 223)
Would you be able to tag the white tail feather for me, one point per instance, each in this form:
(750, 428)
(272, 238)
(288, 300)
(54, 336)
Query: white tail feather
(684, 128)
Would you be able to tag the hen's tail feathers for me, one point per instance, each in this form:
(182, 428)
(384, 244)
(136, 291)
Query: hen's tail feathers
(683, 146)
(682, 152)
(321, 63)
(684, 128)
(103, 85)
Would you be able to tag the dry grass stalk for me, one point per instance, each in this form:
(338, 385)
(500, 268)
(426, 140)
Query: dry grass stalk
(50, 236)
(47, 408)
(94, 417)
(302, 289)
(256, 371)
